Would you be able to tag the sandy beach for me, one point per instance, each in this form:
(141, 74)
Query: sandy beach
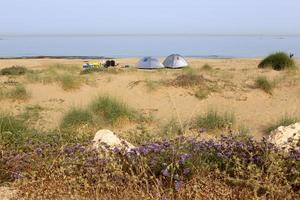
(234, 82)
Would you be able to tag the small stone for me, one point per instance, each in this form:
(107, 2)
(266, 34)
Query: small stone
(108, 138)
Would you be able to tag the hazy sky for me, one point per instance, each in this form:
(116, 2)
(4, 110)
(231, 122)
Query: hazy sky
(149, 16)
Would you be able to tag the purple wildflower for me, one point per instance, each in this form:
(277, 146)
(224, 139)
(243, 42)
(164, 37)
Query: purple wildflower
(165, 173)
(186, 171)
(178, 185)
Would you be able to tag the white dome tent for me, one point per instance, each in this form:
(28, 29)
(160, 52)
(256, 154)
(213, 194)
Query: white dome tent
(175, 61)
(150, 63)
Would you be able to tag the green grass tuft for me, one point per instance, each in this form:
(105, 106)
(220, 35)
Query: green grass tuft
(9, 123)
(19, 92)
(285, 120)
(69, 81)
(14, 70)
(213, 120)
(76, 117)
(263, 83)
(278, 61)
(112, 110)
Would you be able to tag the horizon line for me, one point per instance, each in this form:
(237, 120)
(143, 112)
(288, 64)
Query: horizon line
(140, 34)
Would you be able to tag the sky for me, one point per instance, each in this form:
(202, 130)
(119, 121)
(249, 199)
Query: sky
(18, 17)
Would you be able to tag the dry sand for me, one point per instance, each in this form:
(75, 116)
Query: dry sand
(253, 107)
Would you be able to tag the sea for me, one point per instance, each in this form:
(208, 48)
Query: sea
(118, 46)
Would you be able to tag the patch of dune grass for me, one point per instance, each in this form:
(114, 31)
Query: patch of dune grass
(112, 110)
(278, 61)
(68, 76)
(9, 123)
(14, 70)
(31, 113)
(75, 117)
(17, 92)
(189, 78)
(69, 81)
(214, 120)
(202, 93)
(151, 85)
(285, 120)
(263, 83)
(206, 67)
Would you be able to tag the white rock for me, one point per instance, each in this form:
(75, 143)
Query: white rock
(107, 137)
(286, 137)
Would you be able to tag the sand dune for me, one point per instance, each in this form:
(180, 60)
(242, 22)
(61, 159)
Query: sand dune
(236, 92)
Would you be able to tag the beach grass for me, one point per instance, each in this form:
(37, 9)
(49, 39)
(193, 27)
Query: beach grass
(285, 120)
(264, 84)
(9, 123)
(17, 92)
(152, 85)
(31, 113)
(112, 110)
(75, 117)
(69, 81)
(214, 120)
(189, 78)
(67, 76)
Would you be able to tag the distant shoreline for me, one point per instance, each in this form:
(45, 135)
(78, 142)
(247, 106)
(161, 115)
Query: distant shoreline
(54, 57)
(103, 57)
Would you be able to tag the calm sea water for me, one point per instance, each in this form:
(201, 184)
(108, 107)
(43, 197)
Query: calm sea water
(136, 46)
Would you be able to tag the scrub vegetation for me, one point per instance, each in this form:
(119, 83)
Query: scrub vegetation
(14, 70)
(278, 61)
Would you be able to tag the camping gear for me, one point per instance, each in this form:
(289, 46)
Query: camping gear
(88, 65)
(150, 63)
(110, 63)
(175, 61)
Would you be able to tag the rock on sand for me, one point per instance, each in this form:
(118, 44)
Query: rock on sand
(286, 137)
(107, 137)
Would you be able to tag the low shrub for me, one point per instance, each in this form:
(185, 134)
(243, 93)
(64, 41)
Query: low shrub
(278, 61)
(213, 120)
(14, 70)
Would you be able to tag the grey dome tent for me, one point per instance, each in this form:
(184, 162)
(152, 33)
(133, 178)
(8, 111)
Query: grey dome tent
(175, 61)
(149, 63)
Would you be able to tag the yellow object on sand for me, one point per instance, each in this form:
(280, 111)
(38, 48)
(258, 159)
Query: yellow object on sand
(96, 64)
